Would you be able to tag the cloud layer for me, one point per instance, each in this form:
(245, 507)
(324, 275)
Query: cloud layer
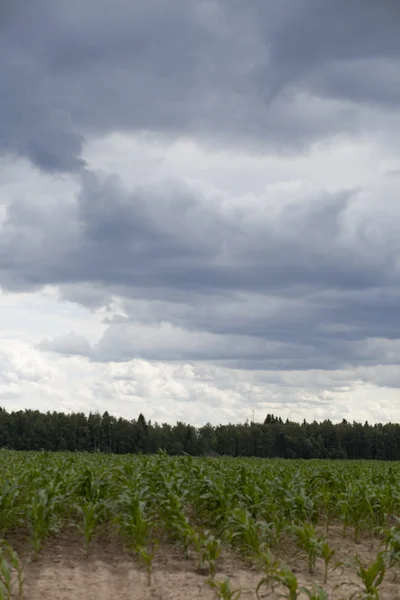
(254, 73)
(294, 278)
(215, 181)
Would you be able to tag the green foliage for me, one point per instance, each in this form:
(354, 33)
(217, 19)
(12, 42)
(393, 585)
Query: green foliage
(41, 514)
(32, 430)
(202, 504)
(210, 552)
(327, 554)
(371, 578)
(316, 593)
(392, 543)
(10, 572)
(357, 508)
(9, 505)
(223, 589)
(271, 568)
(243, 531)
(92, 514)
(289, 581)
(135, 524)
(308, 540)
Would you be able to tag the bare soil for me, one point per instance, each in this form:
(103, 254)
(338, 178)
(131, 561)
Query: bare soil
(63, 572)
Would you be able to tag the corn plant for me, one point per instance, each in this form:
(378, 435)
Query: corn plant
(9, 566)
(146, 555)
(223, 589)
(316, 593)
(210, 551)
(308, 540)
(215, 499)
(41, 514)
(392, 544)
(271, 570)
(92, 514)
(173, 513)
(201, 504)
(383, 505)
(371, 578)
(91, 485)
(357, 510)
(324, 486)
(9, 505)
(299, 505)
(133, 522)
(289, 581)
(327, 554)
(135, 526)
(243, 531)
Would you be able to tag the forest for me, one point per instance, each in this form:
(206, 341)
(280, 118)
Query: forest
(273, 438)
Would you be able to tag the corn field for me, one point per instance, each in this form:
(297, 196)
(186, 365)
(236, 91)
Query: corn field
(270, 513)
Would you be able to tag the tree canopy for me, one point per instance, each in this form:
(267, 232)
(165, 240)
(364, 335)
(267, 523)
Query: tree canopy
(34, 430)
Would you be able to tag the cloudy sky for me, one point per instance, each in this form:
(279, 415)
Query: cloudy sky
(199, 208)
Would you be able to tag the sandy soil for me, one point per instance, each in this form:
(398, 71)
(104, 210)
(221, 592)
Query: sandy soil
(64, 573)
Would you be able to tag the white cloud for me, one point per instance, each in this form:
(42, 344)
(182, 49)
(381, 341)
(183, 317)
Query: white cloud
(194, 393)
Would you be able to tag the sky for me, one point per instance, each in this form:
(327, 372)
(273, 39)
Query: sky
(199, 208)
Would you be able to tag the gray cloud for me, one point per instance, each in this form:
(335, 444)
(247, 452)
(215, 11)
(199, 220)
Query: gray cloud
(33, 123)
(69, 344)
(250, 73)
(168, 236)
(296, 284)
(325, 39)
(306, 279)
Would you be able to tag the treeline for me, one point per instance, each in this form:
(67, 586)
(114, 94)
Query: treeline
(33, 430)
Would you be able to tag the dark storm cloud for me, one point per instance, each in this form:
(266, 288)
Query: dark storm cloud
(227, 72)
(334, 47)
(33, 124)
(273, 284)
(169, 237)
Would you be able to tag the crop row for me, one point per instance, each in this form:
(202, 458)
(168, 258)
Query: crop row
(251, 507)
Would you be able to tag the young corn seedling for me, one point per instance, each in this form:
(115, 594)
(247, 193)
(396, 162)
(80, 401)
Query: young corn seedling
(210, 552)
(382, 506)
(289, 580)
(361, 514)
(272, 527)
(244, 531)
(180, 527)
(356, 510)
(308, 540)
(9, 499)
(188, 536)
(371, 579)
(326, 496)
(223, 589)
(135, 525)
(92, 513)
(317, 593)
(327, 554)
(271, 569)
(217, 501)
(147, 556)
(392, 544)
(41, 518)
(178, 523)
(9, 567)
